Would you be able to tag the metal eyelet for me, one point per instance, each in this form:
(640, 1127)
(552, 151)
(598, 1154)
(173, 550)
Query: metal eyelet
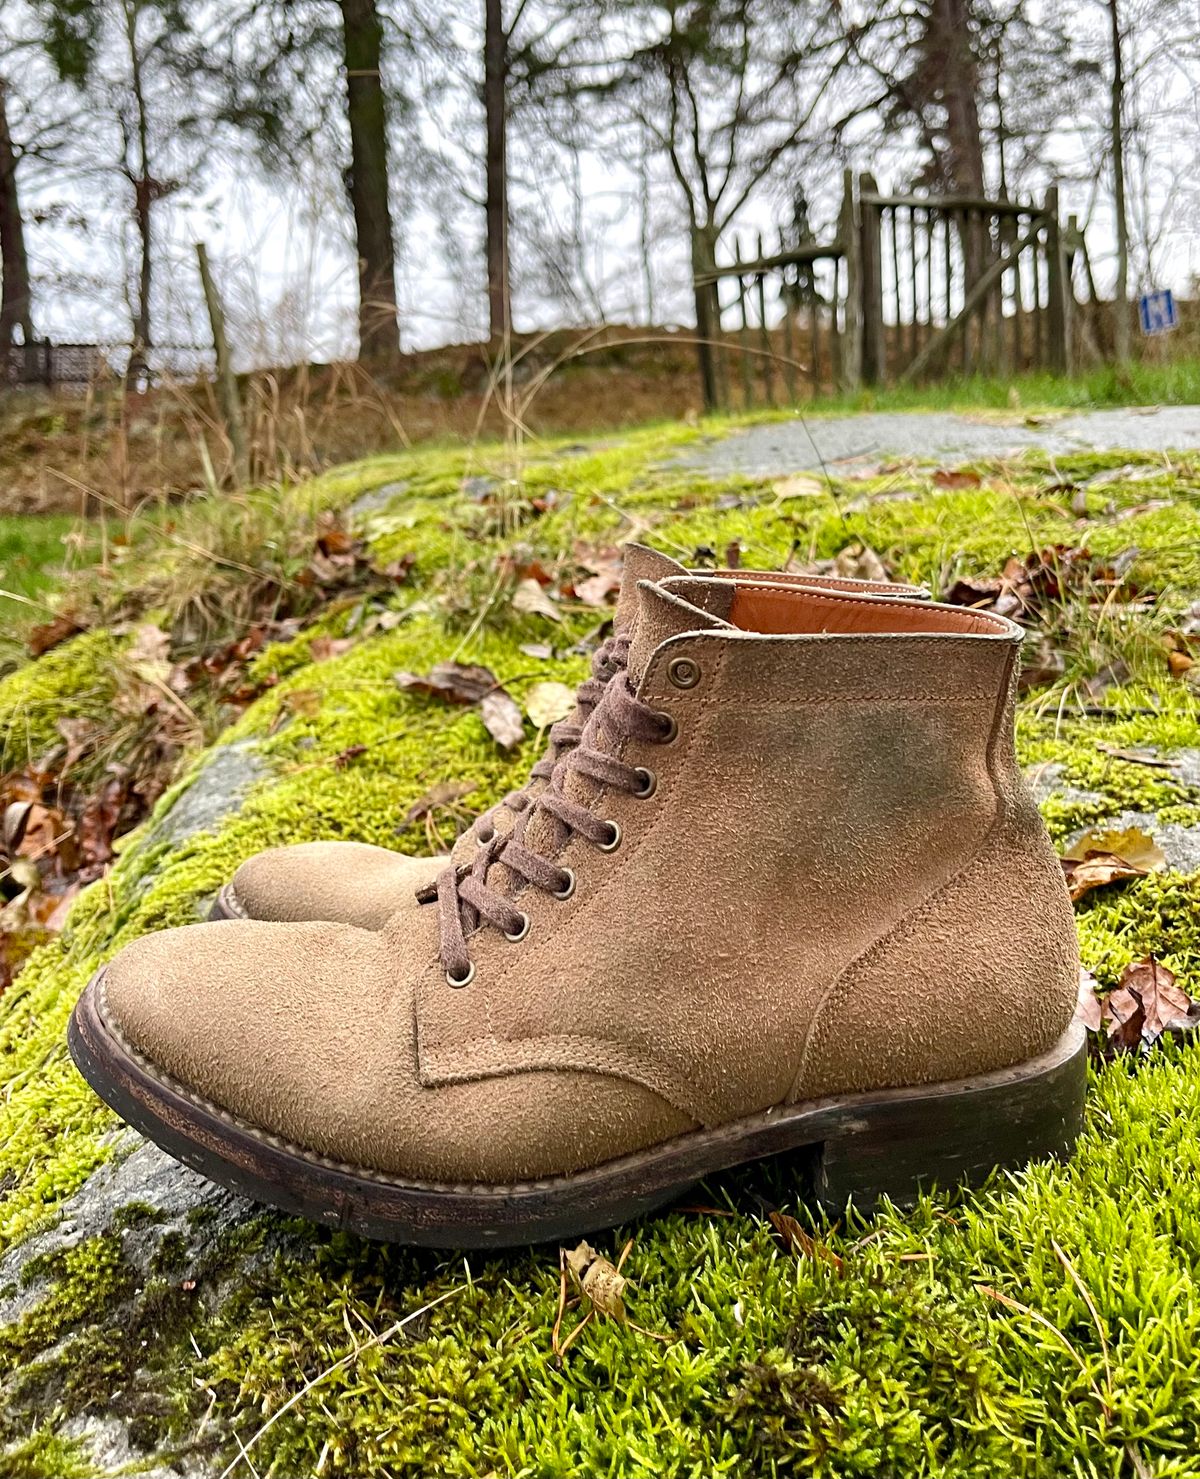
(568, 888)
(684, 672)
(649, 783)
(614, 841)
(520, 934)
(670, 727)
(458, 982)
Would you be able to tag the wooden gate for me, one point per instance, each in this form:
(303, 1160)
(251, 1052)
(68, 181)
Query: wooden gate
(911, 288)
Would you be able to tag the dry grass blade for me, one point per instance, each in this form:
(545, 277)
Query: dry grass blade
(1085, 1295)
(376, 1340)
(1015, 1304)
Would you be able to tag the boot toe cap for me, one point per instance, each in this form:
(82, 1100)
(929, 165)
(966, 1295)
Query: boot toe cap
(344, 882)
(306, 1034)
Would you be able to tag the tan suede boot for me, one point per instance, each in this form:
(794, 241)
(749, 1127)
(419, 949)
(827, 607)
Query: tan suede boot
(788, 891)
(357, 883)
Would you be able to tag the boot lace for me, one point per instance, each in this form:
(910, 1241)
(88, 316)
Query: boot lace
(468, 896)
(609, 660)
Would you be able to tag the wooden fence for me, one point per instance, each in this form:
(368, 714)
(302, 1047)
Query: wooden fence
(909, 287)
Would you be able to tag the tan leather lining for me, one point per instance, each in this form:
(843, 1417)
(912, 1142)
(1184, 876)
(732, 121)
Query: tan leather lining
(774, 611)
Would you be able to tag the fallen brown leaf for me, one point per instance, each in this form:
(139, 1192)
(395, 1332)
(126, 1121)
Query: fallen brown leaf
(547, 703)
(455, 682)
(1103, 856)
(1089, 1008)
(49, 634)
(1147, 994)
(323, 648)
(796, 1240)
(859, 562)
(956, 478)
(530, 598)
(502, 718)
(599, 1280)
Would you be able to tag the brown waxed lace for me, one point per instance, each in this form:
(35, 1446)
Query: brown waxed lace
(608, 660)
(465, 897)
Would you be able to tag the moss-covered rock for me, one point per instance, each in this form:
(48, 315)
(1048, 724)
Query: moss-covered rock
(1048, 1325)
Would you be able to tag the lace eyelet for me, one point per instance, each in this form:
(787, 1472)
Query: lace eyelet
(670, 727)
(483, 838)
(684, 672)
(518, 935)
(649, 784)
(614, 841)
(458, 982)
(568, 888)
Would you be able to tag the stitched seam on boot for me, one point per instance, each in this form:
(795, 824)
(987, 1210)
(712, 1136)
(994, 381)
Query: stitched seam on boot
(229, 900)
(280, 1142)
(979, 622)
(844, 983)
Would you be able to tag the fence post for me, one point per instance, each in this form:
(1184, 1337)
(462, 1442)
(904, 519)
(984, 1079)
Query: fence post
(852, 345)
(1058, 322)
(227, 391)
(872, 360)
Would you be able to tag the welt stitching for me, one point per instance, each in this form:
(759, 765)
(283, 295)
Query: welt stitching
(904, 927)
(279, 1142)
(904, 604)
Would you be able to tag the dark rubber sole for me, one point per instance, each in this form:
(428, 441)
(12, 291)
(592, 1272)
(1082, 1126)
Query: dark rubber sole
(892, 1143)
(224, 907)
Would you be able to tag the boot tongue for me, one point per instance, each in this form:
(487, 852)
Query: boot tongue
(686, 603)
(663, 611)
(640, 563)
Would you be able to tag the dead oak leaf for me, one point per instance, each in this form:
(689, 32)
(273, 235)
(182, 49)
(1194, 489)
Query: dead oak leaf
(49, 634)
(502, 718)
(547, 703)
(453, 682)
(1147, 1003)
(530, 599)
(599, 1280)
(1103, 856)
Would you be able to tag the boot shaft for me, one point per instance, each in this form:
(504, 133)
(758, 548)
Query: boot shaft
(838, 795)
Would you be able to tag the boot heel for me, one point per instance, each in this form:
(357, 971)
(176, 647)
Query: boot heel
(902, 1142)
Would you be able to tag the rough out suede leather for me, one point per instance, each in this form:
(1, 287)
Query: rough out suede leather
(837, 883)
(357, 883)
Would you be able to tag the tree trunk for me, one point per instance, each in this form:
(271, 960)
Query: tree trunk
(952, 42)
(952, 36)
(495, 101)
(16, 304)
(704, 262)
(367, 180)
(1117, 144)
(143, 200)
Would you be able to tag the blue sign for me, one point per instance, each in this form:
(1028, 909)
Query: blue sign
(1157, 311)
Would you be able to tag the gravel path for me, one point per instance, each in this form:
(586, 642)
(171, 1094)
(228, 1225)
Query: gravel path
(847, 442)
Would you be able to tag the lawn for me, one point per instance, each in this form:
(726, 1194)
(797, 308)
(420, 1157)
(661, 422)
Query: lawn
(1048, 1324)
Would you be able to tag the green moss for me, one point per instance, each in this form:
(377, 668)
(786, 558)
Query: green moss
(901, 1364)
(77, 679)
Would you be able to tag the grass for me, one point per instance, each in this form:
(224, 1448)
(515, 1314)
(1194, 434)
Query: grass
(34, 548)
(1046, 1326)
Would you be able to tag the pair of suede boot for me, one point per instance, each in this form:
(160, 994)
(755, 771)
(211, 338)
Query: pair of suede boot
(776, 886)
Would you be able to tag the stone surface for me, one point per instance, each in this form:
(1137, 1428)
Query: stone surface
(217, 790)
(844, 444)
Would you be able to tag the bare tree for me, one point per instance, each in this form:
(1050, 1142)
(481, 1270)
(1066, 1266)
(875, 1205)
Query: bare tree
(16, 298)
(367, 180)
